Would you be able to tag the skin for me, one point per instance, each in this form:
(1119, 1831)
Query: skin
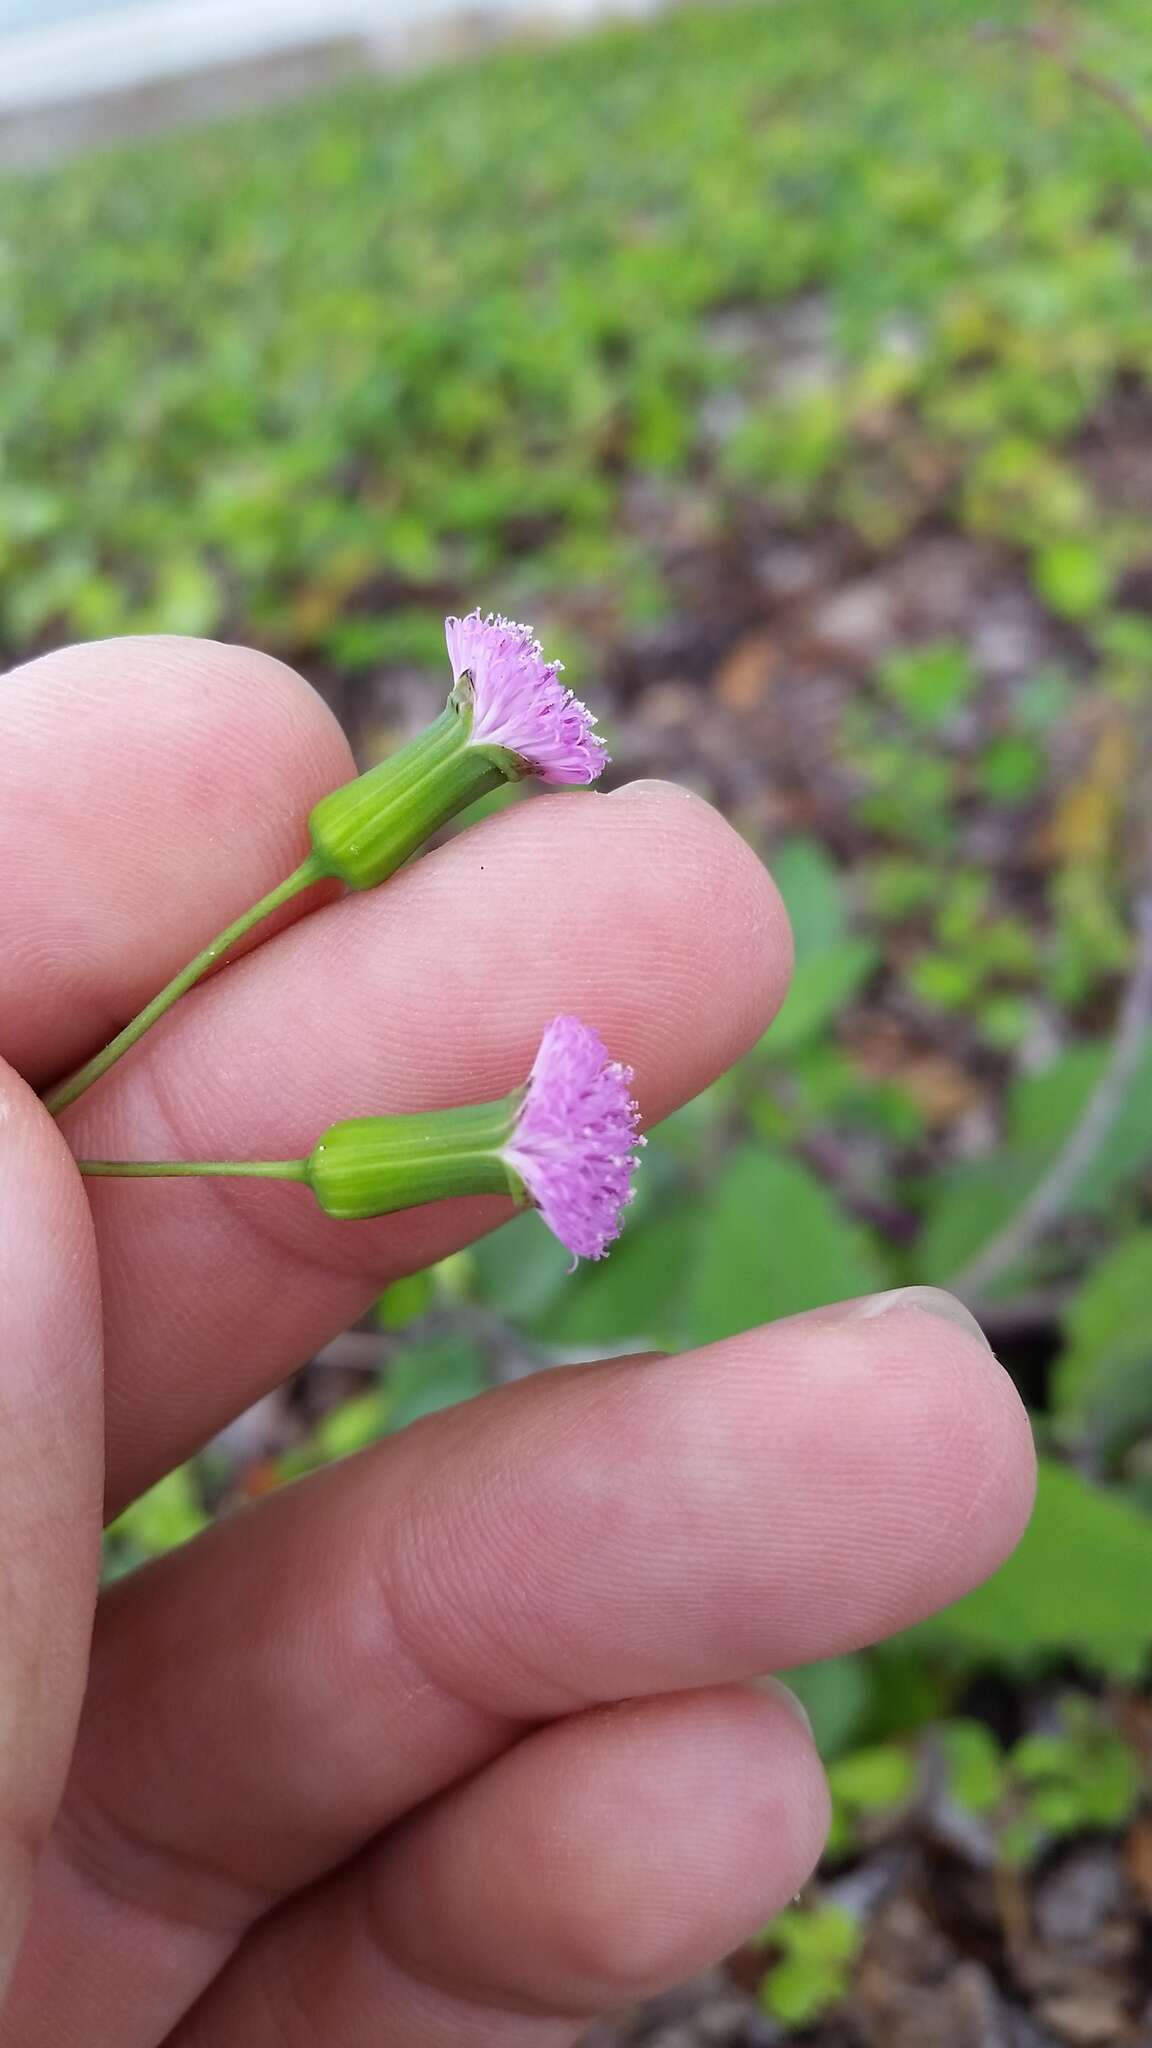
(462, 1741)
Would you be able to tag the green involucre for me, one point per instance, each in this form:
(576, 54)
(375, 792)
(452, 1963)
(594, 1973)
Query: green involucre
(364, 831)
(372, 1165)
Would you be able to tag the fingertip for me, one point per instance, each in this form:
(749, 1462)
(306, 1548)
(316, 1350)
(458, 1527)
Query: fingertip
(721, 1811)
(896, 1464)
(685, 1822)
(37, 1170)
(921, 1379)
(724, 894)
(1001, 1467)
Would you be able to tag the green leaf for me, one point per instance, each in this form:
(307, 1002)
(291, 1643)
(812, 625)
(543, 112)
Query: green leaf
(907, 1691)
(929, 683)
(822, 985)
(897, 886)
(406, 1300)
(170, 1513)
(836, 1695)
(424, 1378)
(1045, 1107)
(1112, 1784)
(520, 1269)
(1011, 768)
(945, 981)
(1080, 1585)
(975, 1763)
(1105, 1369)
(810, 883)
(819, 1945)
(972, 1200)
(634, 1296)
(351, 1426)
(1005, 1020)
(185, 600)
(1087, 1775)
(1074, 577)
(820, 1934)
(1058, 1808)
(771, 1241)
(873, 1780)
(796, 1991)
(1041, 1756)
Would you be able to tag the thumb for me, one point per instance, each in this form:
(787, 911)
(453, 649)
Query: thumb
(51, 1474)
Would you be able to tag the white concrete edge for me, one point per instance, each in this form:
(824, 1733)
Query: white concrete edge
(136, 46)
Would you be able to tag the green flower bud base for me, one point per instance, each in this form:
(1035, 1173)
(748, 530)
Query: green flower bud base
(371, 1165)
(366, 830)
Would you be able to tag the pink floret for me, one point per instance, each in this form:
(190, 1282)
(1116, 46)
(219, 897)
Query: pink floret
(576, 1141)
(520, 702)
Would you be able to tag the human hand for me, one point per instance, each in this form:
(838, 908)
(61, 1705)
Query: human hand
(453, 1744)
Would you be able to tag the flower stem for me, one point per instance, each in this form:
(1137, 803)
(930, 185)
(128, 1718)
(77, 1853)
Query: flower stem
(311, 870)
(155, 1169)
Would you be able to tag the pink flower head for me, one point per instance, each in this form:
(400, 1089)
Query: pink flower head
(575, 1142)
(520, 702)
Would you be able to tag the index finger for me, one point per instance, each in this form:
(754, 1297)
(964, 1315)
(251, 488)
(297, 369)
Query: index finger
(150, 790)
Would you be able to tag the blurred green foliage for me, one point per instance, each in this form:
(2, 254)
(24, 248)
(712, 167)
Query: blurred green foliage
(170, 1513)
(309, 380)
(1076, 1774)
(299, 376)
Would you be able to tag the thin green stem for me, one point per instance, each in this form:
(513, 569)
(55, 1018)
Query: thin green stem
(311, 870)
(156, 1169)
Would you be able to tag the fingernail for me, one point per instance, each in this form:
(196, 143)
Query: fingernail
(934, 1301)
(787, 1698)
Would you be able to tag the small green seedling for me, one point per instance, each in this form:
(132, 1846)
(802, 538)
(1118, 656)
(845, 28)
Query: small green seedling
(817, 1947)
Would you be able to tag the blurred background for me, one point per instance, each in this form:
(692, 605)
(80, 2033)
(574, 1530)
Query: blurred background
(791, 368)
